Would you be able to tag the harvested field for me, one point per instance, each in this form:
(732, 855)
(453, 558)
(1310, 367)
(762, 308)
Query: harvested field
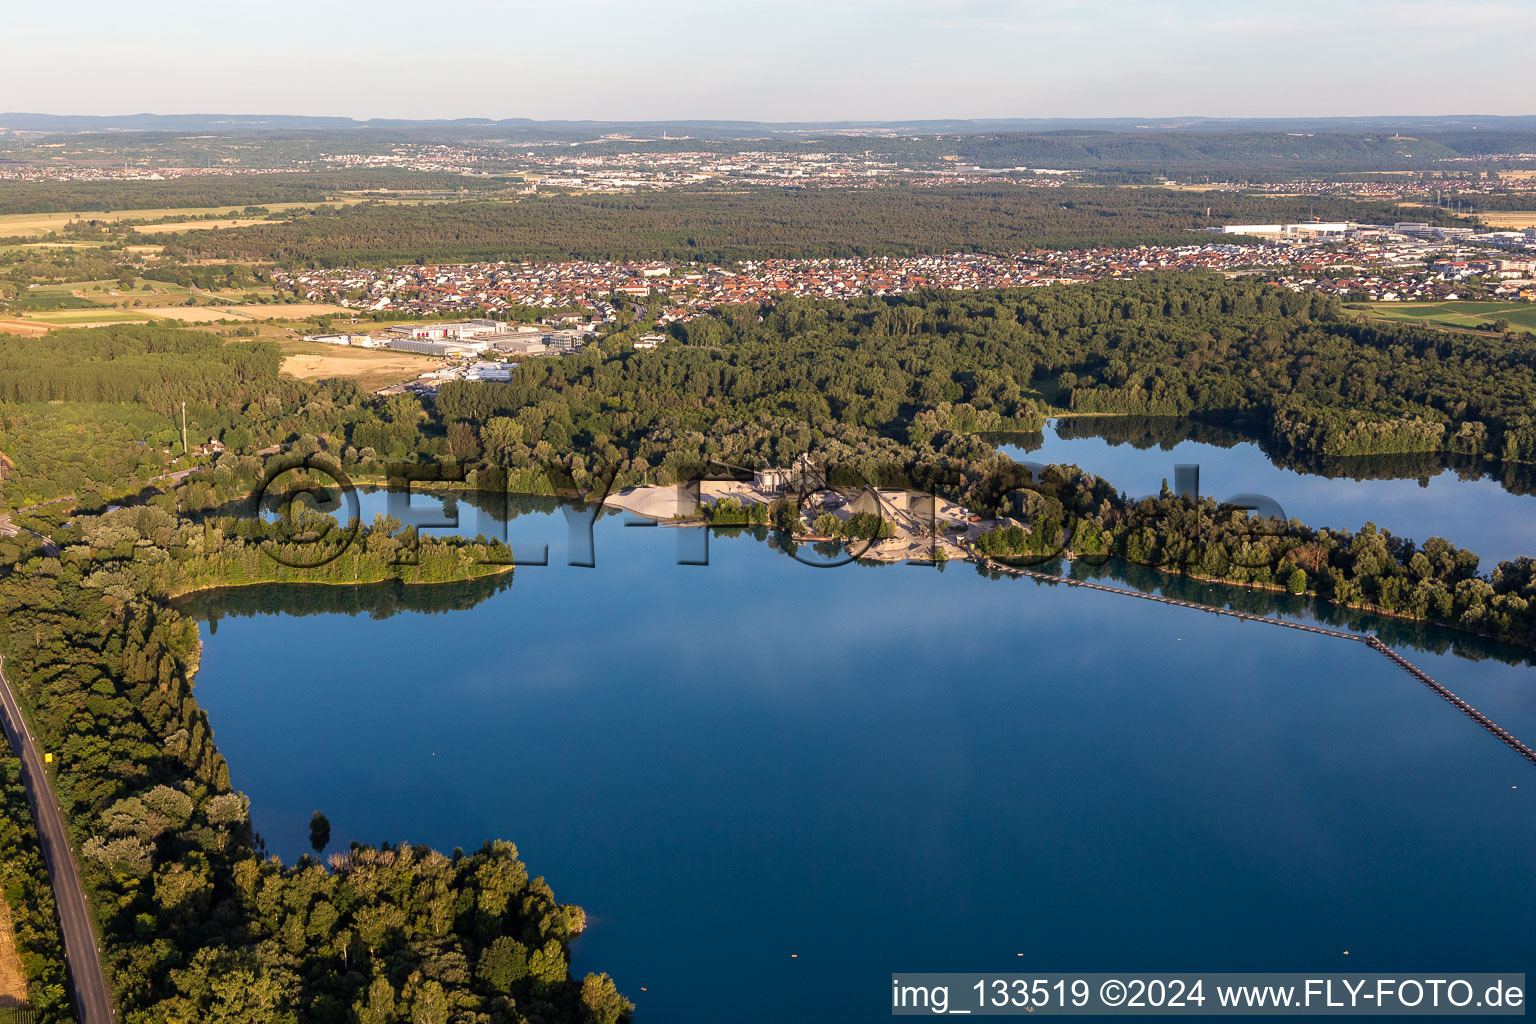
(254, 311)
(88, 317)
(371, 368)
(12, 224)
(197, 225)
(1509, 220)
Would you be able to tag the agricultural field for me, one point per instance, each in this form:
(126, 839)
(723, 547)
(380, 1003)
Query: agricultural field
(160, 293)
(96, 303)
(26, 246)
(27, 328)
(1470, 315)
(198, 225)
(246, 311)
(85, 243)
(1509, 220)
(371, 368)
(86, 317)
(52, 297)
(37, 224)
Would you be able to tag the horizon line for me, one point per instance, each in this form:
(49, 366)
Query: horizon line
(482, 119)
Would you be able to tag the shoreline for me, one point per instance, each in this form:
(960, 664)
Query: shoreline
(964, 545)
(496, 570)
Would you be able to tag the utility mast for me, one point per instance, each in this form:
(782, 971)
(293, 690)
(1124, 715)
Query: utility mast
(184, 449)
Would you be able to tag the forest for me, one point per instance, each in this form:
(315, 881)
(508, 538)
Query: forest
(195, 920)
(1288, 367)
(154, 367)
(29, 897)
(730, 226)
(758, 386)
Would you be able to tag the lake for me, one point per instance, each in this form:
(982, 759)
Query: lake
(771, 785)
(1431, 498)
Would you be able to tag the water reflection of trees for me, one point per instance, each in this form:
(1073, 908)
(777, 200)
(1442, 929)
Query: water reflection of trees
(1163, 432)
(382, 600)
(500, 506)
(1421, 636)
(376, 600)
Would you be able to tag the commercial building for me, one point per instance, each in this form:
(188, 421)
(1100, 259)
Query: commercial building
(529, 346)
(489, 371)
(565, 341)
(1311, 229)
(339, 339)
(442, 349)
(465, 330)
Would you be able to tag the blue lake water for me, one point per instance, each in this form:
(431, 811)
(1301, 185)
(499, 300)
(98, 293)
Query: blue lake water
(896, 769)
(1478, 514)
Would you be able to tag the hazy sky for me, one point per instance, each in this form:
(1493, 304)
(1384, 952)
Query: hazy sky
(781, 60)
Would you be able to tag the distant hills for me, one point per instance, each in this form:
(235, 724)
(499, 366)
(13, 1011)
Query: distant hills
(258, 123)
(1121, 149)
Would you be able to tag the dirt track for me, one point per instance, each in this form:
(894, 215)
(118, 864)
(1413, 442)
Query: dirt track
(13, 983)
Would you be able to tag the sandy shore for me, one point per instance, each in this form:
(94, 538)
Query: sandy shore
(913, 540)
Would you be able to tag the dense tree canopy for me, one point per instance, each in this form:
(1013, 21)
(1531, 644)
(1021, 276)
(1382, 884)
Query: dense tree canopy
(29, 897)
(1286, 367)
(729, 226)
(158, 367)
(194, 921)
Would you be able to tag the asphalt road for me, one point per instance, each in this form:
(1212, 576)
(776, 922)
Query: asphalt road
(92, 997)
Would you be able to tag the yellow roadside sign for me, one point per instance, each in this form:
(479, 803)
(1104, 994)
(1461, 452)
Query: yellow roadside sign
(48, 759)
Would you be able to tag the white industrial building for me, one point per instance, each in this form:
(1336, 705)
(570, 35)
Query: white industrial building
(1307, 230)
(463, 331)
(339, 339)
(527, 346)
(442, 349)
(465, 338)
(489, 371)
